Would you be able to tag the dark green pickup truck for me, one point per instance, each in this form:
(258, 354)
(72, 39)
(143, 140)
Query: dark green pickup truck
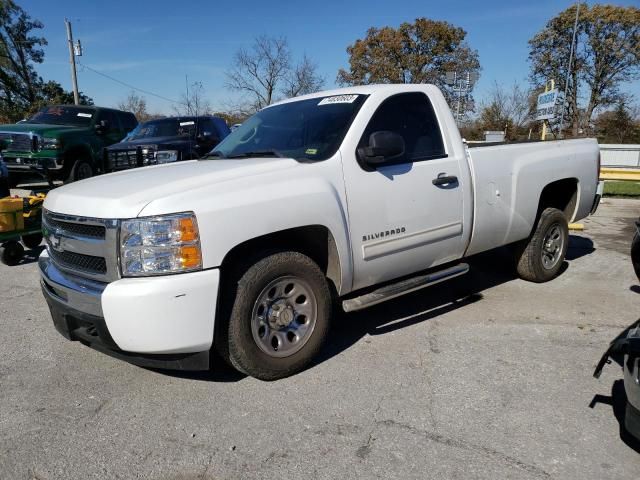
(64, 140)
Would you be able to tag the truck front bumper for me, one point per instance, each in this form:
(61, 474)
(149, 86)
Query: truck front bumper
(18, 162)
(159, 322)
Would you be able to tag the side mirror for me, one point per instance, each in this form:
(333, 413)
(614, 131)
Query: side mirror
(208, 138)
(383, 146)
(102, 126)
(3, 145)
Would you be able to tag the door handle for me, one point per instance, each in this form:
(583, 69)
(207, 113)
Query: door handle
(444, 179)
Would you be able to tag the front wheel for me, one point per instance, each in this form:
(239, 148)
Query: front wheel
(11, 253)
(280, 317)
(540, 257)
(32, 241)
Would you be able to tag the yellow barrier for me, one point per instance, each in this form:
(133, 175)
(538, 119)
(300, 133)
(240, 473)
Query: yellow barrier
(632, 174)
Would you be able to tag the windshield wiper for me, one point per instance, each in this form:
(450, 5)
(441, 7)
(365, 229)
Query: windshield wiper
(258, 153)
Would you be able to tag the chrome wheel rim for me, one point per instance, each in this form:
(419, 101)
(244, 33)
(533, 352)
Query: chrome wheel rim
(552, 246)
(284, 316)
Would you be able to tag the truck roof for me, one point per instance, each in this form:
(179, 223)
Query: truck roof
(94, 107)
(362, 90)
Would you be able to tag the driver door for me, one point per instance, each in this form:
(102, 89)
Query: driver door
(402, 220)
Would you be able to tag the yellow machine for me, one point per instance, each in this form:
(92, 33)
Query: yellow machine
(20, 219)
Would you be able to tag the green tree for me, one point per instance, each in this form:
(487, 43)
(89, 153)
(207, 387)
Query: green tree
(418, 52)
(52, 93)
(19, 50)
(607, 55)
(617, 126)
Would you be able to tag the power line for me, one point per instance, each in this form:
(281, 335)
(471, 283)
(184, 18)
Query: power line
(129, 85)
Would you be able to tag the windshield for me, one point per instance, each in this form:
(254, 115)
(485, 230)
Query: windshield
(166, 127)
(64, 115)
(305, 130)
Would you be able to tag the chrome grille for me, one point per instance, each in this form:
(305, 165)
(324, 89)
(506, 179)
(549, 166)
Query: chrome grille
(86, 247)
(77, 261)
(119, 159)
(80, 229)
(19, 142)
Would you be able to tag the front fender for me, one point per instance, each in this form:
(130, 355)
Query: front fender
(231, 213)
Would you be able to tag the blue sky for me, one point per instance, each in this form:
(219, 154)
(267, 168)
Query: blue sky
(154, 44)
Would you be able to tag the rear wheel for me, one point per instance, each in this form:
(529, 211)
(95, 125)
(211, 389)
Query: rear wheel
(280, 317)
(11, 253)
(540, 257)
(80, 170)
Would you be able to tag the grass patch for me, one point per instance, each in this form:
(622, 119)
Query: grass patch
(623, 189)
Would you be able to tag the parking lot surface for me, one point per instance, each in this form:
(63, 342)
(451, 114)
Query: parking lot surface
(485, 377)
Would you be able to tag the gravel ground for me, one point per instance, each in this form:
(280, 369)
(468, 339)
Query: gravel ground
(485, 377)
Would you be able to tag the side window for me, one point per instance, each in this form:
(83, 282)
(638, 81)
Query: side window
(411, 116)
(109, 116)
(208, 129)
(128, 121)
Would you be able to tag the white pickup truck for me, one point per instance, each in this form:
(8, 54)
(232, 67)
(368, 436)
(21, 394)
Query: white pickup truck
(354, 196)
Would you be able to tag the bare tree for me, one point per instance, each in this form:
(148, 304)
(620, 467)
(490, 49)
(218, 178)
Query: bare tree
(506, 108)
(303, 79)
(194, 102)
(265, 70)
(137, 105)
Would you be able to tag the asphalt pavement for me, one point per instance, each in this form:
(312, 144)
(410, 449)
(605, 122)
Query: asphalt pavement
(484, 377)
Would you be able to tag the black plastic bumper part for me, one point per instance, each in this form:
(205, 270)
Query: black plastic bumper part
(632, 420)
(92, 331)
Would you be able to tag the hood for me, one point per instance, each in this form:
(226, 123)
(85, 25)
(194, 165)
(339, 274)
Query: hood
(149, 141)
(125, 194)
(42, 129)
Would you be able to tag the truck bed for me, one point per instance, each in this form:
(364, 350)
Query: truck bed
(508, 179)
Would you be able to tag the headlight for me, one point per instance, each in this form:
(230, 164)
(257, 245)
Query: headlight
(160, 245)
(49, 143)
(166, 156)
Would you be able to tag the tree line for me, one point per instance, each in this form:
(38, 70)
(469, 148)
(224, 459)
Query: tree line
(422, 51)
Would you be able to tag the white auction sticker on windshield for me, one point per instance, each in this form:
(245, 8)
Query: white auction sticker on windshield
(87, 115)
(338, 99)
(182, 124)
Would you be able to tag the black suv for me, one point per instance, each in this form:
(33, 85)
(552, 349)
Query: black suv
(165, 140)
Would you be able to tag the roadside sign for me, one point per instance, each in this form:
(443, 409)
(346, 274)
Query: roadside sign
(546, 107)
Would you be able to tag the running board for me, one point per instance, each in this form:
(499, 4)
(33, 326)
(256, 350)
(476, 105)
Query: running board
(402, 287)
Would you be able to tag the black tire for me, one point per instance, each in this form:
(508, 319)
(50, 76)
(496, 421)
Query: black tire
(32, 241)
(80, 170)
(235, 340)
(11, 253)
(534, 260)
(635, 252)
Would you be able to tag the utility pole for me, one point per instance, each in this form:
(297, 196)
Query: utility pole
(72, 61)
(566, 82)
